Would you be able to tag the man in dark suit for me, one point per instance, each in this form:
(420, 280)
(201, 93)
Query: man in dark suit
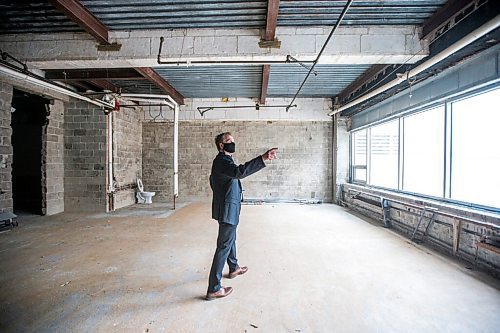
(226, 205)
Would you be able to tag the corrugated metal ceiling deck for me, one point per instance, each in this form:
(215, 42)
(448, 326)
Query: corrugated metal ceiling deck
(226, 81)
(245, 81)
(40, 16)
(285, 80)
(165, 14)
(122, 14)
(214, 81)
(386, 12)
(33, 17)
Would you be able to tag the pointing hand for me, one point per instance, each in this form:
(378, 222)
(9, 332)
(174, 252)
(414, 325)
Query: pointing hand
(271, 154)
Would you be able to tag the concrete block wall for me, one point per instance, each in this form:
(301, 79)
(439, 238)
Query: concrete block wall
(127, 164)
(84, 157)
(302, 170)
(404, 218)
(6, 203)
(157, 159)
(341, 154)
(360, 45)
(53, 160)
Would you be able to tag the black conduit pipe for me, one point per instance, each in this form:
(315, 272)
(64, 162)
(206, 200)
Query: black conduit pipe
(344, 11)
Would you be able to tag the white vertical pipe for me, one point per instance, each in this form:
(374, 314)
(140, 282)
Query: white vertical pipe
(110, 152)
(176, 147)
(176, 151)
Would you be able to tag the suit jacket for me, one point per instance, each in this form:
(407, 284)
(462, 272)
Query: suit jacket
(226, 186)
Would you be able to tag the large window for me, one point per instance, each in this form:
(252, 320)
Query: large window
(450, 151)
(384, 143)
(359, 154)
(423, 152)
(475, 158)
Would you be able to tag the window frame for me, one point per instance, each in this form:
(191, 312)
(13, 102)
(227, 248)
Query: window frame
(353, 167)
(447, 163)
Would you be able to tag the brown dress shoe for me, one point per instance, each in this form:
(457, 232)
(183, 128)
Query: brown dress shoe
(238, 271)
(222, 292)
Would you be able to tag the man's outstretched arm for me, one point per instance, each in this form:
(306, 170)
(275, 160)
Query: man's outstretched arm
(228, 168)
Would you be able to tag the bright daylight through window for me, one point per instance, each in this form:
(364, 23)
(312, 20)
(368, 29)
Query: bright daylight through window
(423, 152)
(384, 154)
(410, 153)
(359, 156)
(475, 159)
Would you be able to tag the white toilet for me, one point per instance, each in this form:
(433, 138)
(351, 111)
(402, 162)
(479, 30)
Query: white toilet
(143, 197)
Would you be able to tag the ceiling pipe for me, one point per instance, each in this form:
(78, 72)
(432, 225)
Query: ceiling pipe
(341, 17)
(187, 63)
(152, 98)
(473, 36)
(44, 83)
(146, 96)
(257, 106)
(150, 101)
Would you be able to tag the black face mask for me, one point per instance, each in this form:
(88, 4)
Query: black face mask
(230, 147)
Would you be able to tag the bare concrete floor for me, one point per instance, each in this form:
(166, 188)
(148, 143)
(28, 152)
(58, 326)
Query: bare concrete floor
(312, 268)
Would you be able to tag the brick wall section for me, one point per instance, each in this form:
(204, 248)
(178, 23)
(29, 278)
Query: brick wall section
(6, 204)
(53, 160)
(84, 158)
(127, 155)
(302, 171)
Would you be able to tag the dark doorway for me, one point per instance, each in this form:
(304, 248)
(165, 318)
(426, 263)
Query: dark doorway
(27, 122)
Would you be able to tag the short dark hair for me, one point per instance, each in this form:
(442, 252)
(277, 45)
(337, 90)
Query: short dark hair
(219, 138)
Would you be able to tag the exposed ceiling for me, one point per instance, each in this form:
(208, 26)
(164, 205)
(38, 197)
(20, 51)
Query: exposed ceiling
(345, 81)
(37, 16)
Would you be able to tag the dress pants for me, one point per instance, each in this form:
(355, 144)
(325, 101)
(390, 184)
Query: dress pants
(226, 251)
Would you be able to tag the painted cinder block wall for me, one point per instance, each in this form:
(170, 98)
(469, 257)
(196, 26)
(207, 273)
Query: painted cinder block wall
(6, 204)
(52, 154)
(302, 170)
(53, 160)
(74, 155)
(127, 151)
(84, 157)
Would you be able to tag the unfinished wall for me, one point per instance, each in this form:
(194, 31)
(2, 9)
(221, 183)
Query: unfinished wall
(456, 237)
(84, 157)
(53, 160)
(302, 170)
(6, 204)
(127, 155)
(341, 155)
